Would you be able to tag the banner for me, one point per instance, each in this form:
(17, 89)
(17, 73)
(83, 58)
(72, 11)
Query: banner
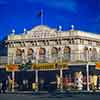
(50, 66)
(98, 65)
(43, 66)
(12, 67)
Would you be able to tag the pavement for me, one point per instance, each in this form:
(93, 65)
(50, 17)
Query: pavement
(48, 97)
(24, 95)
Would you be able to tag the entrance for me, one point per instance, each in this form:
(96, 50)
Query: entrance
(24, 80)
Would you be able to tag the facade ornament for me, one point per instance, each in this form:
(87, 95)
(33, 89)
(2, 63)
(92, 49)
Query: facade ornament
(13, 31)
(72, 27)
(25, 30)
(60, 28)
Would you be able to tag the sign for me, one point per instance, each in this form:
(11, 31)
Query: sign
(98, 65)
(44, 66)
(50, 66)
(12, 67)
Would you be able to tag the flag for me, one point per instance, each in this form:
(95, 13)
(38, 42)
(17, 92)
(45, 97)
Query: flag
(40, 13)
(98, 65)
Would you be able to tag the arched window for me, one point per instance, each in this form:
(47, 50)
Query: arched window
(94, 54)
(90, 54)
(86, 54)
(42, 51)
(30, 52)
(54, 54)
(18, 52)
(67, 53)
(42, 55)
(54, 51)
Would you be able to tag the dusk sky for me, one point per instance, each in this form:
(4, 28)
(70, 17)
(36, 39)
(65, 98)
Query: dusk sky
(20, 14)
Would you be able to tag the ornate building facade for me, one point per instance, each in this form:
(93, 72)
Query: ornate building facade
(46, 45)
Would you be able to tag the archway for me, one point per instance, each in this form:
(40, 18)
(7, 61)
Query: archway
(94, 54)
(18, 59)
(30, 54)
(42, 51)
(86, 54)
(54, 54)
(30, 51)
(54, 51)
(67, 53)
(18, 52)
(42, 55)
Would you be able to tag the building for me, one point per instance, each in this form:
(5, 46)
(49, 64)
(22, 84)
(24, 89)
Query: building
(46, 45)
(48, 48)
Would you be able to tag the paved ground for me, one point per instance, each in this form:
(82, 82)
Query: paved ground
(48, 97)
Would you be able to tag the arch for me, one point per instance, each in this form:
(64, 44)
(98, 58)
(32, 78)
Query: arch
(30, 51)
(86, 49)
(67, 50)
(54, 51)
(86, 53)
(42, 51)
(94, 49)
(18, 52)
(67, 53)
(94, 54)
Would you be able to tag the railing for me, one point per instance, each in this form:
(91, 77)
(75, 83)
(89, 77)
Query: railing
(76, 57)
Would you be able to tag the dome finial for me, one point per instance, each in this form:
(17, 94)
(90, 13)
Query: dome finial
(60, 28)
(13, 31)
(25, 30)
(72, 27)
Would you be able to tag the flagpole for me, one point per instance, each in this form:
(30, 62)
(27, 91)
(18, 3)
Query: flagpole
(41, 16)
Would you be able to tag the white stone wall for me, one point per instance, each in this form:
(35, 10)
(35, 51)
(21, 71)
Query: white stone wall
(43, 32)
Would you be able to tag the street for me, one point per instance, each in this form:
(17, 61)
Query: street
(48, 97)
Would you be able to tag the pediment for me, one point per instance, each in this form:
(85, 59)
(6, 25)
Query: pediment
(41, 28)
(42, 31)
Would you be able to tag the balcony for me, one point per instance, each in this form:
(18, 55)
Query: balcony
(76, 58)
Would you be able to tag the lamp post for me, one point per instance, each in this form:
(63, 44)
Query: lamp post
(13, 80)
(61, 78)
(36, 80)
(61, 75)
(87, 73)
(36, 76)
(13, 77)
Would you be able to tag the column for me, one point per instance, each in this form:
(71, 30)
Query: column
(61, 78)
(13, 76)
(87, 74)
(36, 80)
(47, 54)
(13, 80)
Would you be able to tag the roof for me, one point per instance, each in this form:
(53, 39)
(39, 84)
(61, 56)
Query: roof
(42, 31)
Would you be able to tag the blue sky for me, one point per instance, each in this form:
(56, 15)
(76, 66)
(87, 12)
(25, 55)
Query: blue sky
(20, 14)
